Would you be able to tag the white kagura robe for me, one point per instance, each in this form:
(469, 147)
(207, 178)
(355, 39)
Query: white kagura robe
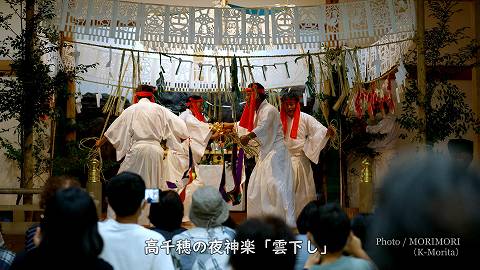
(136, 135)
(270, 188)
(199, 134)
(176, 162)
(311, 139)
(385, 146)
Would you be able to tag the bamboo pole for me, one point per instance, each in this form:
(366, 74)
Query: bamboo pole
(421, 68)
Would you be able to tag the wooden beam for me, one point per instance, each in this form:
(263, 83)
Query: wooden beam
(5, 68)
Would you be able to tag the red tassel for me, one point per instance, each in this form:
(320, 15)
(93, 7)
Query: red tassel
(194, 107)
(388, 97)
(358, 104)
(283, 118)
(246, 121)
(296, 118)
(142, 94)
(296, 122)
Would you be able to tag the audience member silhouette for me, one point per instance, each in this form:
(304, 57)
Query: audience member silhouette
(265, 233)
(429, 207)
(68, 235)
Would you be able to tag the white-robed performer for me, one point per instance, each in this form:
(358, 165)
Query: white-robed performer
(137, 135)
(305, 137)
(386, 147)
(199, 134)
(270, 188)
(199, 131)
(177, 160)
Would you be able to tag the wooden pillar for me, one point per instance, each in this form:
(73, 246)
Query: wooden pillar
(421, 68)
(71, 109)
(476, 81)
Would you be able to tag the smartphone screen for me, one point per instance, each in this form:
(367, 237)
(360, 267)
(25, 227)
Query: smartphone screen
(151, 195)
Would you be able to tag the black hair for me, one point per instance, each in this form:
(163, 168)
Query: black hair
(258, 85)
(427, 199)
(305, 216)
(230, 223)
(193, 97)
(146, 88)
(259, 230)
(167, 214)
(293, 94)
(330, 227)
(361, 225)
(460, 145)
(125, 193)
(261, 96)
(53, 184)
(461, 151)
(69, 226)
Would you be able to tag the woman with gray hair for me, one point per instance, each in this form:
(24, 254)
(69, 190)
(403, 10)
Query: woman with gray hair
(204, 247)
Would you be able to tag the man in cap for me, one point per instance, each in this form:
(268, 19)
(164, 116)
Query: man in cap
(270, 188)
(305, 137)
(207, 213)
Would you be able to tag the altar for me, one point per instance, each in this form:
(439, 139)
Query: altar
(209, 173)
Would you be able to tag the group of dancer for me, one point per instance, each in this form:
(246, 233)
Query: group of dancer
(281, 183)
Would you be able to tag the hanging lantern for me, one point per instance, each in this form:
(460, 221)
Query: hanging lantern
(94, 186)
(366, 171)
(366, 187)
(94, 171)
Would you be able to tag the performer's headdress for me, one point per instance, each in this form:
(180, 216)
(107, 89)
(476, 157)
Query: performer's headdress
(144, 91)
(194, 103)
(289, 97)
(248, 114)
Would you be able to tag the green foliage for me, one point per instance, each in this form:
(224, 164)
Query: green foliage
(11, 152)
(356, 139)
(446, 111)
(75, 161)
(354, 136)
(27, 97)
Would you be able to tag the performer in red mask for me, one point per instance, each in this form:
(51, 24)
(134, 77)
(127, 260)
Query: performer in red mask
(305, 137)
(195, 105)
(199, 131)
(144, 91)
(270, 190)
(137, 135)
